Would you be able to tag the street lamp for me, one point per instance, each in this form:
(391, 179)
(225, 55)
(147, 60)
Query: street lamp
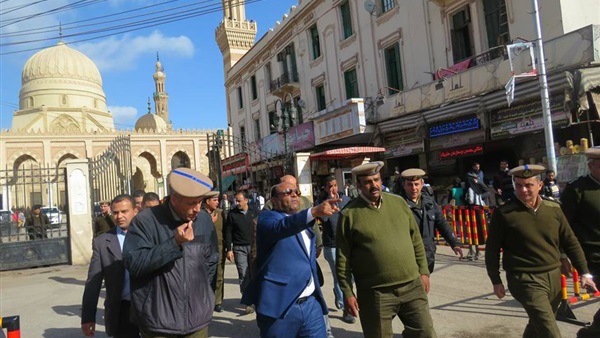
(287, 119)
(218, 143)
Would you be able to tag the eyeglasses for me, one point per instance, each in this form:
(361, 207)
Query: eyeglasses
(289, 191)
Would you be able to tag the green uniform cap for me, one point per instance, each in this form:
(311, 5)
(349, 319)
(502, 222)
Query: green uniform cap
(527, 170)
(367, 169)
(413, 174)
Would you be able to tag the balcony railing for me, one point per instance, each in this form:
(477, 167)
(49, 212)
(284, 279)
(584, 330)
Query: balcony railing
(284, 79)
(477, 60)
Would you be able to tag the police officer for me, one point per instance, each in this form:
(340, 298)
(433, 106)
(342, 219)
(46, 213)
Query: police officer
(532, 232)
(428, 214)
(378, 242)
(581, 205)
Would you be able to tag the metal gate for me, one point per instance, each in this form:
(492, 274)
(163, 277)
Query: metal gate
(23, 244)
(110, 173)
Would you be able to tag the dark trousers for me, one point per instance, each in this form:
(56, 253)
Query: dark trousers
(408, 301)
(220, 279)
(304, 320)
(202, 333)
(540, 295)
(126, 328)
(595, 271)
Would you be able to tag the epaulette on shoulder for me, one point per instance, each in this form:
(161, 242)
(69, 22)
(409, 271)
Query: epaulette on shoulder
(551, 201)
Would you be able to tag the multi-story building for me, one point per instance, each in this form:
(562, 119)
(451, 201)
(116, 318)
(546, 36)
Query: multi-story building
(422, 79)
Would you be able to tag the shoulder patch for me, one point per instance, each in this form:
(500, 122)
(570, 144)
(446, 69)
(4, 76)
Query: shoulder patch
(550, 202)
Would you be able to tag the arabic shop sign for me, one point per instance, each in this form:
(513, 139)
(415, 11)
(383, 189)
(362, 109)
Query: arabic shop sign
(454, 127)
(461, 152)
(299, 137)
(526, 118)
(235, 164)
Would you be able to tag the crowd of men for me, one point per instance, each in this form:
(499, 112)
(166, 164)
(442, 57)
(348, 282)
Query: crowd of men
(162, 262)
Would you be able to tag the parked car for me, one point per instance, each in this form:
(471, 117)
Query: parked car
(5, 218)
(53, 214)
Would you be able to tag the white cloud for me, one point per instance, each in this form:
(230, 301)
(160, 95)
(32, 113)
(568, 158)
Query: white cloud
(124, 116)
(121, 53)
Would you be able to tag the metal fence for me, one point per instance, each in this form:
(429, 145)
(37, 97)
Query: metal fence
(110, 172)
(24, 240)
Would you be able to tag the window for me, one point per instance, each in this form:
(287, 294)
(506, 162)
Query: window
(253, 87)
(496, 22)
(268, 75)
(393, 68)
(299, 114)
(243, 138)
(257, 129)
(346, 20)
(240, 98)
(351, 83)
(461, 35)
(320, 93)
(386, 5)
(314, 38)
(273, 127)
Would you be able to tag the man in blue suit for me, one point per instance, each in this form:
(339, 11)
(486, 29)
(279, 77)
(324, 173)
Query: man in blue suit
(285, 289)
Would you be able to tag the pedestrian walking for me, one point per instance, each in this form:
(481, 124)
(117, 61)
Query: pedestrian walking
(239, 232)
(581, 204)
(289, 303)
(551, 188)
(531, 232)
(329, 224)
(387, 261)
(107, 265)
(428, 215)
(477, 193)
(210, 206)
(502, 183)
(169, 255)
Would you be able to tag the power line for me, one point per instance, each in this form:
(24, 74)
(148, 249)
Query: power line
(75, 5)
(119, 29)
(16, 8)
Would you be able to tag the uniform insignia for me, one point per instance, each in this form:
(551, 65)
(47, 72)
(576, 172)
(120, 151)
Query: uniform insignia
(527, 173)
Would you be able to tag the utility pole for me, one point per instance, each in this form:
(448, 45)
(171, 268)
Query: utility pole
(548, 133)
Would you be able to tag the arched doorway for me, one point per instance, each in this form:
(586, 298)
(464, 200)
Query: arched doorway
(180, 160)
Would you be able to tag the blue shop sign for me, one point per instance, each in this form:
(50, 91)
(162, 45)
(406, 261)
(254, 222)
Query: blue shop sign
(454, 127)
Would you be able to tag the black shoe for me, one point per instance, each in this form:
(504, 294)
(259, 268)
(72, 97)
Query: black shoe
(348, 318)
(218, 308)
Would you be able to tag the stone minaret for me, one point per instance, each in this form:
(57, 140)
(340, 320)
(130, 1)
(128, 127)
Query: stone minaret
(161, 98)
(235, 35)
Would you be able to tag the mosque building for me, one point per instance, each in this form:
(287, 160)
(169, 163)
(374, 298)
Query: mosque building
(63, 115)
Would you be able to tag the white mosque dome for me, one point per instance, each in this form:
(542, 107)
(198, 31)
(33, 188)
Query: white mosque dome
(151, 122)
(61, 61)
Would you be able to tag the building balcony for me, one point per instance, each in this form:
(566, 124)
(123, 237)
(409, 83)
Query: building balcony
(286, 83)
(490, 71)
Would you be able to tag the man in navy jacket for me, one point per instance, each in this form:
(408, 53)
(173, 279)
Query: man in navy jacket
(285, 290)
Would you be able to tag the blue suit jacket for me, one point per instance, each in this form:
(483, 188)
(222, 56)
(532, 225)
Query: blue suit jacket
(283, 266)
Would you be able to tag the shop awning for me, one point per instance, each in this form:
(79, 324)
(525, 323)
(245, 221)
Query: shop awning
(334, 154)
(226, 182)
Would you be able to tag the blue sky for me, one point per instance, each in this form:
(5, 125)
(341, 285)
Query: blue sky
(188, 52)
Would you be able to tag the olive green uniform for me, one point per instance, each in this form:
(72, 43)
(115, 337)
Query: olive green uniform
(220, 276)
(531, 241)
(581, 205)
(383, 249)
(103, 224)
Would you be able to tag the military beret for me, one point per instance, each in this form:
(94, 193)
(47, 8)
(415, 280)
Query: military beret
(367, 169)
(413, 174)
(593, 153)
(211, 194)
(36, 206)
(527, 170)
(189, 183)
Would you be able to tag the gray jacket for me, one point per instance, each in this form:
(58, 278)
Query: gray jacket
(170, 284)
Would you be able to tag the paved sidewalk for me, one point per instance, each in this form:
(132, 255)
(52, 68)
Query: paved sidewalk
(462, 304)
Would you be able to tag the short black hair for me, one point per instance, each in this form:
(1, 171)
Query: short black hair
(150, 196)
(123, 197)
(330, 178)
(138, 193)
(550, 171)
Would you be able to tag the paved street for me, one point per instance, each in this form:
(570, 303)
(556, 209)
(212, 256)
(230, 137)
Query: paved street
(49, 303)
